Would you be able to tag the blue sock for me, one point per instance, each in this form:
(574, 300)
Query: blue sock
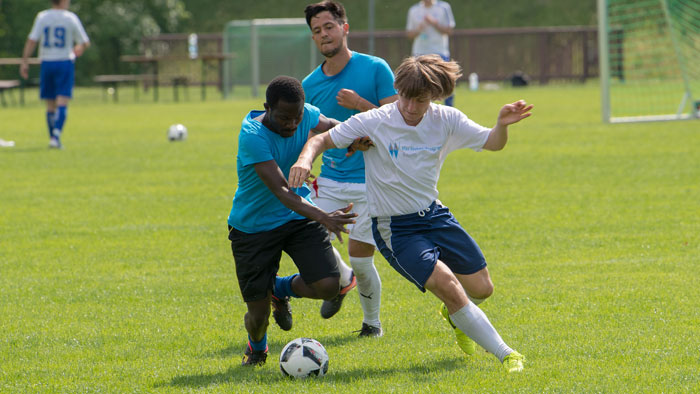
(50, 121)
(61, 113)
(450, 101)
(258, 346)
(283, 287)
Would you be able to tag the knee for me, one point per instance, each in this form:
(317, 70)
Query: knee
(327, 288)
(483, 291)
(258, 317)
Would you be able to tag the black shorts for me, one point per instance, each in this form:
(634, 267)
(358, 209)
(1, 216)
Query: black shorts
(257, 256)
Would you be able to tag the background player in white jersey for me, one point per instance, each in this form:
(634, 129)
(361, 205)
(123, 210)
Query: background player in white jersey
(429, 24)
(347, 83)
(61, 39)
(417, 234)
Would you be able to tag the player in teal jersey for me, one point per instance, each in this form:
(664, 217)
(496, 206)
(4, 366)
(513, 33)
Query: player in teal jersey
(345, 84)
(268, 217)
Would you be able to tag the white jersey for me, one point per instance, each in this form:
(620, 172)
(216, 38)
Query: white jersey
(403, 168)
(430, 41)
(57, 31)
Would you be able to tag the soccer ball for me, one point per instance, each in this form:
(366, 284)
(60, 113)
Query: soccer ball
(177, 132)
(304, 357)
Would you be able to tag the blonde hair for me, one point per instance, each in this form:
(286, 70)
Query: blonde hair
(427, 76)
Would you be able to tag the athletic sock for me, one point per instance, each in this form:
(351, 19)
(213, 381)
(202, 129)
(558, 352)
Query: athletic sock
(345, 271)
(476, 301)
(61, 114)
(473, 322)
(369, 287)
(260, 345)
(50, 121)
(283, 287)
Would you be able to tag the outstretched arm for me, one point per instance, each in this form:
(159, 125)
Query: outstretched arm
(302, 168)
(271, 175)
(509, 114)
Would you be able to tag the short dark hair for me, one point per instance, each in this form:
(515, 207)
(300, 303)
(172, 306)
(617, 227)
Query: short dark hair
(55, 2)
(336, 9)
(286, 88)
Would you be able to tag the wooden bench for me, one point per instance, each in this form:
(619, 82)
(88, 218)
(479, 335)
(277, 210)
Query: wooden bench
(8, 85)
(113, 81)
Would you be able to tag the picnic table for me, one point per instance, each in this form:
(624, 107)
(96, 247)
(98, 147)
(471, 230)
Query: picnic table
(10, 85)
(208, 61)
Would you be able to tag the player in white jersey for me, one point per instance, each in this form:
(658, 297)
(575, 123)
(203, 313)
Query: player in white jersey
(417, 234)
(61, 38)
(429, 24)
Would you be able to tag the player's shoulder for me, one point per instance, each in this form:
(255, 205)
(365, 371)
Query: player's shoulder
(415, 7)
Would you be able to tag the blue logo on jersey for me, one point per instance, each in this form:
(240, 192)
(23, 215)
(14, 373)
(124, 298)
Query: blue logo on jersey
(394, 149)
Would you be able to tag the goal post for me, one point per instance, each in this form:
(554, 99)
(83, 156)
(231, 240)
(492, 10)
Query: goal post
(262, 49)
(649, 58)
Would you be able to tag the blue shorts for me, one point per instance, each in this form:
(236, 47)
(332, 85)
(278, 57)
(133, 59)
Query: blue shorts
(413, 243)
(56, 79)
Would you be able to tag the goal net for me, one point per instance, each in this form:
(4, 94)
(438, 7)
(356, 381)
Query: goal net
(649, 59)
(261, 49)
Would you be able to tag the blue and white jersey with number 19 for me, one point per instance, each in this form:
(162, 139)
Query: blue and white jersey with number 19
(57, 31)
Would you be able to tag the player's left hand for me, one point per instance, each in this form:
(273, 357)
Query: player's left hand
(348, 98)
(360, 144)
(514, 112)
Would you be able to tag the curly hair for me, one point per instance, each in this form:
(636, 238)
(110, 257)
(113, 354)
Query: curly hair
(286, 88)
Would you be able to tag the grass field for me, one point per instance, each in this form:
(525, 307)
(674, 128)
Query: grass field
(116, 274)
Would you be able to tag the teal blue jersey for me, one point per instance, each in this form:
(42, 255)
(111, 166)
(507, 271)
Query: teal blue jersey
(255, 208)
(373, 80)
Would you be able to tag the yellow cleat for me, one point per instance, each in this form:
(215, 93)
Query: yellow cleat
(514, 362)
(463, 341)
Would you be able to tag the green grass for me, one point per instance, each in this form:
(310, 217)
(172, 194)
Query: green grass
(116, 274)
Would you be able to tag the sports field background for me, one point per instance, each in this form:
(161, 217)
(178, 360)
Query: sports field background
(116, 274)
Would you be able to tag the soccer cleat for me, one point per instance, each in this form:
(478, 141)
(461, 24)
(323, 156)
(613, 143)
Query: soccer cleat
(254, 358)
(55, 143)
(368, 331)
(282, 312)
(514, 362)
(463, 341)
(330, 307)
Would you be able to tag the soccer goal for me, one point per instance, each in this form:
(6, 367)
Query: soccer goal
(262, 49)
(649, 52)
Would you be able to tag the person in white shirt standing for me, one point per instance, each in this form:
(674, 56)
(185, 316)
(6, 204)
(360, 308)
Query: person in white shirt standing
(61, 38)
(418, 235)
(429, 25)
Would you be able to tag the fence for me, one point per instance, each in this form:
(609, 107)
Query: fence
(545, 54)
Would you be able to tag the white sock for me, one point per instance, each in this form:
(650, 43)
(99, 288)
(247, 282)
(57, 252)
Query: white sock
(369, 287)
(476, 301)
(345, 271)
(473, 322)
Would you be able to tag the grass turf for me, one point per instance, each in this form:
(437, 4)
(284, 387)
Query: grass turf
(116, 274)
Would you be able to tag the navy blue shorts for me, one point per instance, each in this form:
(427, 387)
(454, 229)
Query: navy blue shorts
(413, 243)
(56, 79)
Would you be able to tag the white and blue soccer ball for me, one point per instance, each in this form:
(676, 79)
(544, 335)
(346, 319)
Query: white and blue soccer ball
(304, 357)
(177, 132)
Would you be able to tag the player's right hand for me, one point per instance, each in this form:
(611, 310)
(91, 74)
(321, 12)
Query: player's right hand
(298, 174)
(24, 70)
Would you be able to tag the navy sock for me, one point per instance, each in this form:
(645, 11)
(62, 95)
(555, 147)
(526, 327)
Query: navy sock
(283, 287)
(61, 114)
(50, 121)
(260, 345)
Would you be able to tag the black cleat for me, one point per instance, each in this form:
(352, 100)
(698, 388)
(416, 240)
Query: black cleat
(282, 312)
(330, 307)
(370, 331)
(254, 358)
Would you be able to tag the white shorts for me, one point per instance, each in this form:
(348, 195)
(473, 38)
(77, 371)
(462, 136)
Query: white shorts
(332, 195)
